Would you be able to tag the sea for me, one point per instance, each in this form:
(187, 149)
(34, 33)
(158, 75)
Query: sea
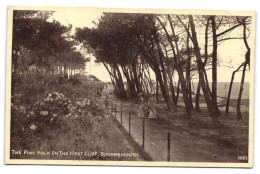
(223, 87)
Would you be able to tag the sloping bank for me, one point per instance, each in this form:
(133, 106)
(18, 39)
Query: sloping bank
(55, 127)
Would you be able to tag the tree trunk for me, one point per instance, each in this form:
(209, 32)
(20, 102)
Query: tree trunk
(188, 79)
(65, 72)
(197, 100)
(130, 83)
(122, 92)
(178, 91)
(137, 83)
(178, 66)
(166, 96)
(239, 116)
(157, 91)
(68, 72)
(151, 60)
(247, 62)
(168, 99)
(230, 88)
(214, 64)
(210, 104)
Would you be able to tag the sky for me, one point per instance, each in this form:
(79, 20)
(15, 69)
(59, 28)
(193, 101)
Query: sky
(230, 50)
(79, 19)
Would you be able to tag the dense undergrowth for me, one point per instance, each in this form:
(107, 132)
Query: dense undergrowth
(51, 113)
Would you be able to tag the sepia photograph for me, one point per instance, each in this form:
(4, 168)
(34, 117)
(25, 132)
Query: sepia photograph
(129, 87)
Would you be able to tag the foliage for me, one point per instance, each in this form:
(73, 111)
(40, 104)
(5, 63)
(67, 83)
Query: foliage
(53, 112)
(41, 43)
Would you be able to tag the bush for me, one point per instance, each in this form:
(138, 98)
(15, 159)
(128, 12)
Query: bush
(30, 86)
(33, 86)
(75, 81)
(53, 112)
(46, 106)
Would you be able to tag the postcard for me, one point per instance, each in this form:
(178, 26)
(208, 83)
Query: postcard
(129, 87)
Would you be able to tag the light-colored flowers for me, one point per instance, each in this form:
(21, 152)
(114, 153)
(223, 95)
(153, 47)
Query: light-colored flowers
(22, 109)
(31, 113)
(68, 115)
(61, 95)
(44, 113)
(33, 127)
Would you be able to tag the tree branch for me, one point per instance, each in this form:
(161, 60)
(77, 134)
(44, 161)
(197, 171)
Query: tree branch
(184, 27)
(229, 30)
(230, 38)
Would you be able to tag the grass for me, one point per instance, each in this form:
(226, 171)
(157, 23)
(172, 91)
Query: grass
(103, 138)
(234, 133)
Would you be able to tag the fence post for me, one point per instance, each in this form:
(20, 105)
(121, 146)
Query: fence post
(121, 116)
(106, 102)
(143, 130)
(168, 146)
(129, 128)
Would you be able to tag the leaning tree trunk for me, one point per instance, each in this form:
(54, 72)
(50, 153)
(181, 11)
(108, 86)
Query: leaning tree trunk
(157, 91)
(170, 74)
(170, 103)
(178, 92)
(122, 92)
(239, 116)
(247, 62)
(145, 83)
(230, 88)
(137, 83)
(130, 83)
(197, 99)
(165, 93)
(178, 67)
(209, 102)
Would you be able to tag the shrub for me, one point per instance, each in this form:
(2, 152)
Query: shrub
(53, 111)
(75, 81)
